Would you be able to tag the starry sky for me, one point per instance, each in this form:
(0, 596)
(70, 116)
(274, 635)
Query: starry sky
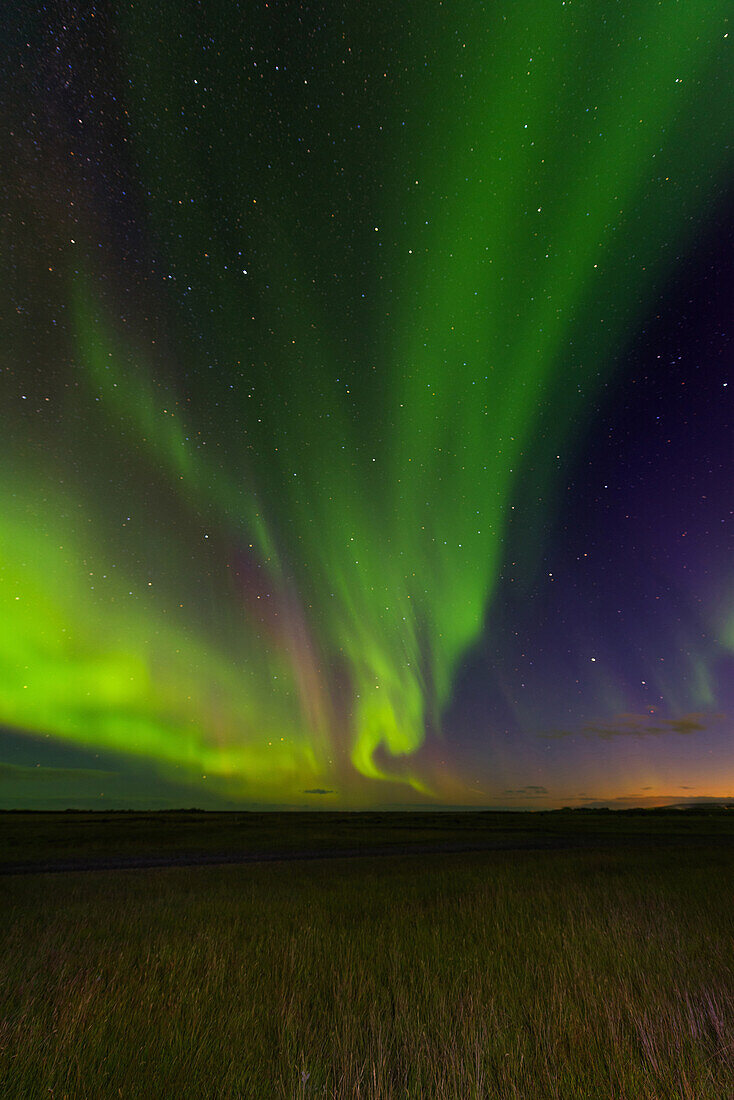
(367, 418)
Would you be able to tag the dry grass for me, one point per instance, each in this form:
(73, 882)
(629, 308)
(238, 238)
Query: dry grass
(523, 975)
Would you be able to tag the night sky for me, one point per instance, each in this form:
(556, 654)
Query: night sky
(367, 417)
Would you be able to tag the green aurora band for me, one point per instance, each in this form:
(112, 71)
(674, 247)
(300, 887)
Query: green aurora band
(340, 435)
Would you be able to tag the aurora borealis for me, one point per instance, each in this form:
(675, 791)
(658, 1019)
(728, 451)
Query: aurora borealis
(365, 374)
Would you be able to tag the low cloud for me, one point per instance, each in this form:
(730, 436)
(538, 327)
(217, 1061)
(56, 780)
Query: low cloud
(531, 791)
(318, 790)
(640, 725)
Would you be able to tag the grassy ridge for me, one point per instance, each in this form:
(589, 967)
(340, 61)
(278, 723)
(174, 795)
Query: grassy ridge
(39, 837)
(528, 974)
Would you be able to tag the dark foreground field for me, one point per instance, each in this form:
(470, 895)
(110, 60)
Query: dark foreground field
(85, 840)
(605, 970)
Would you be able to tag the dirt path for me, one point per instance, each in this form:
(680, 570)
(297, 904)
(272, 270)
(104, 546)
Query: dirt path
(214, 859)
(501, 843)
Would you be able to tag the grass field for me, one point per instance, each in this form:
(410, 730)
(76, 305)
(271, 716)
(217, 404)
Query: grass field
(38, 838)
(567, 974)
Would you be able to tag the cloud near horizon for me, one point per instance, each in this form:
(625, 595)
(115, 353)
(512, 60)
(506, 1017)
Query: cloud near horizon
(531, 791)
(640, 725)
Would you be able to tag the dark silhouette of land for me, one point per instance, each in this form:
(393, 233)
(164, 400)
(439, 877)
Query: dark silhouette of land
(35, 842)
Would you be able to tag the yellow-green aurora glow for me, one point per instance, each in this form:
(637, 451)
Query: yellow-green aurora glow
(388, 272)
